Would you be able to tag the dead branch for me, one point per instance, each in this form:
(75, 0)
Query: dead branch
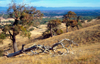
(41, 47)
(63, 46)
(44, 48)
(16, 53)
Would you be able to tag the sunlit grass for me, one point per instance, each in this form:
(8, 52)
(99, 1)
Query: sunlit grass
(88, 51)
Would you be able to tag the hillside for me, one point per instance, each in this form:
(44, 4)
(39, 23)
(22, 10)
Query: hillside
(88, 38)
(60, 11)
(59, 8)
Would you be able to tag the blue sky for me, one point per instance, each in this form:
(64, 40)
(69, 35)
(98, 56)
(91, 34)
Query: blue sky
(55, 3)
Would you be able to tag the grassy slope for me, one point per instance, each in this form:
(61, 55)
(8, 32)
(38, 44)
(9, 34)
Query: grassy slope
(87, 53)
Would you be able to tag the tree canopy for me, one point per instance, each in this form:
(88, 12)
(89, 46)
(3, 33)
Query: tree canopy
(70, 15)
(53, 23)
(24, 18)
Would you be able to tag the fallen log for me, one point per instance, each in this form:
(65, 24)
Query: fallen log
(41, 47)
(63, 46)
(16, 53)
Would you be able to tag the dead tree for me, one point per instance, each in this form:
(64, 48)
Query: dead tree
(44, 48)
(41, 47)
(63, 46)
(16, 53)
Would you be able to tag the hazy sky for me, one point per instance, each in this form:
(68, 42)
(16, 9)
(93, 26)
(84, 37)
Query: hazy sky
(55, 3)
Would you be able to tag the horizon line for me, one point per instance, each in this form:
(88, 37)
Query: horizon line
(55, 7)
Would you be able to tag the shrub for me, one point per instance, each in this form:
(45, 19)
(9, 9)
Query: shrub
(46, 34)
(1, 52)
(31, 29)
(2, 36)
(59, 31)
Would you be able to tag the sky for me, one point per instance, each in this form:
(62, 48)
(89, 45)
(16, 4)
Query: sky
(54, 3)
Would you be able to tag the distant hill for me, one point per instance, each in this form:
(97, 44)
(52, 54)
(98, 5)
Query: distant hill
(59, 11)
(68, 8)
(3, 9)
(59, 8)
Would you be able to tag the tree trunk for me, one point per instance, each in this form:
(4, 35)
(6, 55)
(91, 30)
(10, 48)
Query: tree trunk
(51, 33)
(14, 44)
(14, 40)
(77, 27)
(66, 28)
(16, 53)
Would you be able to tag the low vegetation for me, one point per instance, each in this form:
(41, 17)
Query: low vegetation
(52, 28)
(87, 51)
(1, 53)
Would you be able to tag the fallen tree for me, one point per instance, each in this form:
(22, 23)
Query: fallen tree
(41, 47)
(44, 48)
(16, 53)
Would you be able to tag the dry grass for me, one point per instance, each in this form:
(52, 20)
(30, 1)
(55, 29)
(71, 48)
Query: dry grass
(88, 51)
(85, 54)
(90, 34)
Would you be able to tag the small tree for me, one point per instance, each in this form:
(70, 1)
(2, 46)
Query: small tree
(24, 17)
(52, 25)
(70, 15)
(71, 19)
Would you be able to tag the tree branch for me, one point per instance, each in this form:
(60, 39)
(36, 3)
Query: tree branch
(10, 35)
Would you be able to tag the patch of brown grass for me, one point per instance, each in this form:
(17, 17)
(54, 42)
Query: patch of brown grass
(90, 34)
(88, 51)
(85, 54)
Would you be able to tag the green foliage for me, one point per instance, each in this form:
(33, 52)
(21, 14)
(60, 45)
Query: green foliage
(24, 32)
(88, 17)
(89, 20)
(31, 29)
(53, 23)
(59, 31)
(45, 20)
(2, 36)
(46, 34)
(11, 22)
(5, 16)
(24, 14)
(24, 18)
(70, 15)
(1, 52)
(80, 24)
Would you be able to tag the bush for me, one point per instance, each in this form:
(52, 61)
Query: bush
(31, 29)
(2, 36)
(46, 34)
(59, 31)
(1, 52)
